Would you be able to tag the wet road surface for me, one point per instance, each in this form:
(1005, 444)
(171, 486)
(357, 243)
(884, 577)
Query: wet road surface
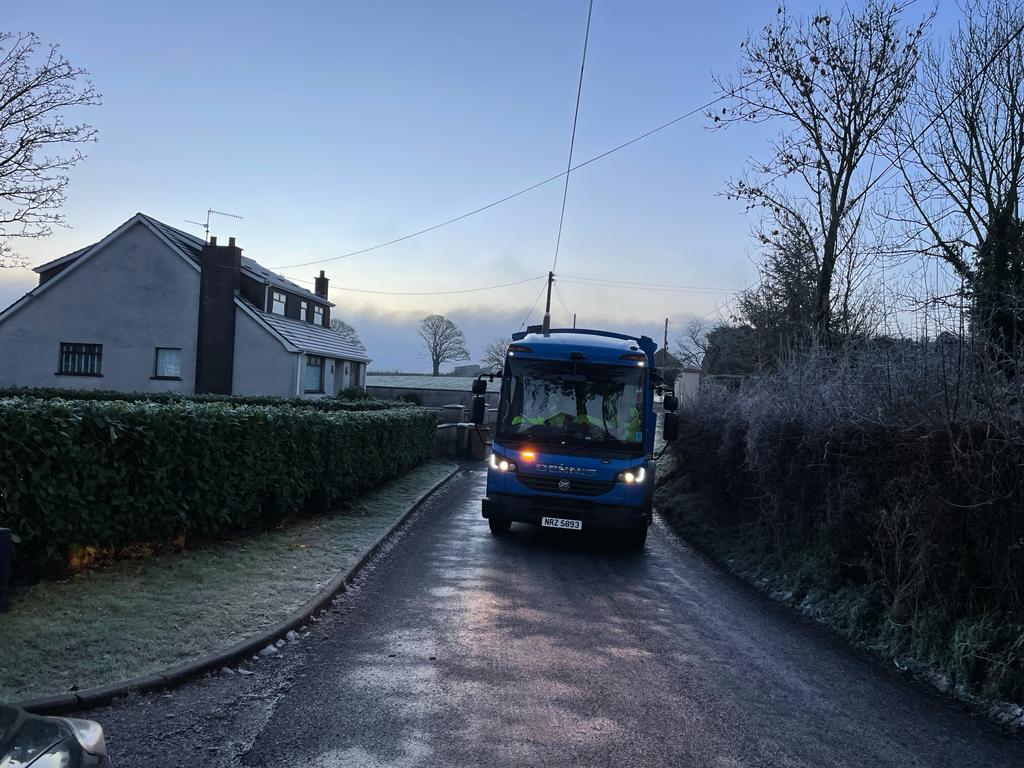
(551, 649)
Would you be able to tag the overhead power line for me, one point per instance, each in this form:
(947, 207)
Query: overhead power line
(572, 140)
(523, 191)
(534, 305)
(424, 293)
(618, 148)
(558, 295)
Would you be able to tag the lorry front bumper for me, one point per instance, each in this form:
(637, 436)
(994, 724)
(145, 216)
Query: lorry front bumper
(593, 515)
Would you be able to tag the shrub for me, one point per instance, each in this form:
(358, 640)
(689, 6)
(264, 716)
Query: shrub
(108, 474)
(354, 394)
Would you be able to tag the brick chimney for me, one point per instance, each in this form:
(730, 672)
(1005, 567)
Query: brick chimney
(321, 286)
(219, 280)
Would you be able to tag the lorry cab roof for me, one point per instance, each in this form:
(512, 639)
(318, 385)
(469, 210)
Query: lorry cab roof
(583, 345)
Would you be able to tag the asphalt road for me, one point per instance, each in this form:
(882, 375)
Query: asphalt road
(552, 649)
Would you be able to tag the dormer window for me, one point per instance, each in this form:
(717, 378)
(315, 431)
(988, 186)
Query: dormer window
(277, 303)
(304, 311)
(318, 315)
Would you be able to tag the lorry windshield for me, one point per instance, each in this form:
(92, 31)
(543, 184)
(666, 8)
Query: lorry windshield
(552, 402)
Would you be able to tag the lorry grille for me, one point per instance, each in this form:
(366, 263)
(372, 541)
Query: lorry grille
(576, 486)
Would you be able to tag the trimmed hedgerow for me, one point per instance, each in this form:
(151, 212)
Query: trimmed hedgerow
(349, 402)
(110, 474)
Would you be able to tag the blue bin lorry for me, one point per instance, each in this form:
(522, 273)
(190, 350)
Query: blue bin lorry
(573, 445)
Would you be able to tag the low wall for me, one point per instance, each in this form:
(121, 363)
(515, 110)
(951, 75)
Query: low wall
(446, 443)
(452, 440)
(431, 398)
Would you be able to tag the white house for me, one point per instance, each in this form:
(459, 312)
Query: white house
(150, 308)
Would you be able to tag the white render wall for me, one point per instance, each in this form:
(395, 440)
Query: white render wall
(262, 365)
(133, 296)
(687, 385)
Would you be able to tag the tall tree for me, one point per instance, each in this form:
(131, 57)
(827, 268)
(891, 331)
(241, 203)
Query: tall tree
(444, 341)
(494, 355)
(37, 88)
(350, 334)
(834, 84)
(692, 343)
(960, 147)
(781, 306)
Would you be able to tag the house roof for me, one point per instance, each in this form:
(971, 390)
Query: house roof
(295, 335)
(666, 359)
(313, 339)
(62, 260)
(192, 247)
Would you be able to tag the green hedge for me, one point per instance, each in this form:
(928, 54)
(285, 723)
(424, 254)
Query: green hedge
(351, 402)
(109, 474)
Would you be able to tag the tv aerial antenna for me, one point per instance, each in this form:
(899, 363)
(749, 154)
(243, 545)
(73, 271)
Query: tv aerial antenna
(211, 212)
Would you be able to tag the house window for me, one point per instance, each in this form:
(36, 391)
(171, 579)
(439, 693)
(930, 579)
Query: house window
(318, 315)
(80, 359)
(303, 310)
(168, 363)
(314, 381)
(277, 303)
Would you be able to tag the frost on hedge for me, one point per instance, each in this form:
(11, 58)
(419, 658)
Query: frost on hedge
(895, 476)
(350, 399)
(100, 473)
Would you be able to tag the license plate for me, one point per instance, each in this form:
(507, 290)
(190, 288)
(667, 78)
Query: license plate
(561, 522)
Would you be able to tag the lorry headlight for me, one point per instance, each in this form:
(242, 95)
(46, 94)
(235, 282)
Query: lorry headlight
(502, 464)
(634, 475)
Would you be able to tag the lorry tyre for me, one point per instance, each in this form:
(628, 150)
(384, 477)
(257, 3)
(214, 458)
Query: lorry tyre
(499, 527)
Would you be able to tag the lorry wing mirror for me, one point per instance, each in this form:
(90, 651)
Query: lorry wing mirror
(479, 387)
(670, 429)
(670, 402)
(479, 405)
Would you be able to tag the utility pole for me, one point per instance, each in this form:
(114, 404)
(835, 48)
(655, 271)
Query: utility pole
(664, 348)
(574, 321)
(547, 307)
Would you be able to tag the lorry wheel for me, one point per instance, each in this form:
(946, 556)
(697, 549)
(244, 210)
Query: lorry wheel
(637, 538)
(499, 527)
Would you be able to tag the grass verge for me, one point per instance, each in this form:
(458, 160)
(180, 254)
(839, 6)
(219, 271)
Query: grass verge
(142, 616)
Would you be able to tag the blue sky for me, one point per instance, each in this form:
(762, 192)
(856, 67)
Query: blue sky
(332, 126)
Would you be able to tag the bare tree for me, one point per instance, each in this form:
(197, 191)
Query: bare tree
(347, 331)
(444, 341)
(835, 84)
(960, 147)
(494, 355)
(692, 343)
(36, 89)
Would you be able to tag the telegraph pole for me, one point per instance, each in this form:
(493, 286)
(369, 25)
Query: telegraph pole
(547, 307)
(664, 348)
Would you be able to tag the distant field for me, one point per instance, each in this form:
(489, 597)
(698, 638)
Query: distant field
(422, 381)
